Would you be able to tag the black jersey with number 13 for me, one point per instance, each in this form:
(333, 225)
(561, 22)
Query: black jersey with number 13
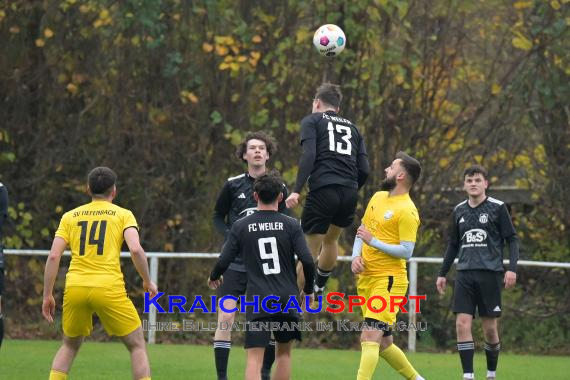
(340, 150)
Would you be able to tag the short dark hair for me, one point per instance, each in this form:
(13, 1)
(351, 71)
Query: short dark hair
(101, 181)
(268, 186)
(330, 94)
(269, 141)
(411, 166)
(475, 169)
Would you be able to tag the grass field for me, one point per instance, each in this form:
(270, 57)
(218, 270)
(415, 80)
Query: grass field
(27, 359)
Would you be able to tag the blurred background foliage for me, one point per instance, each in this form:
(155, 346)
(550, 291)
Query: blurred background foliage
(163, 90)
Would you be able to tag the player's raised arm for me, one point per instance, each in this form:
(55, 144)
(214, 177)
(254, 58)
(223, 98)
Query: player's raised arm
(362, 164)
(138, 256)
(306, 161)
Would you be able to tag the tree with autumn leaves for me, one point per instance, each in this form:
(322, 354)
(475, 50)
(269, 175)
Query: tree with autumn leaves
(162, 91)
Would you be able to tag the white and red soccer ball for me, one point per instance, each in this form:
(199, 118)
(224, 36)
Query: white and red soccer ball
(329, 40)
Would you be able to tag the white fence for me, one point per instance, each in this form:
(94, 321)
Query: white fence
(413, 277)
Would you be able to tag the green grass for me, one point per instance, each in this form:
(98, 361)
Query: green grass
(28, 359)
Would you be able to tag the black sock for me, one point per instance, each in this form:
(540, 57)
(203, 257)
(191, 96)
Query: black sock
(492, 353)
(1, 329)
(268, 359)
(466, 353)
(322, 277)
(222, 354)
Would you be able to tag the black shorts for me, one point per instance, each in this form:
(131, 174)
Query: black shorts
(328, 205)
(478, 289)
(284, 329)
(234, 284)
(378, 325)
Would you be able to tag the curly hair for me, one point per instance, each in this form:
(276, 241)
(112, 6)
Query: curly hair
(269, 141)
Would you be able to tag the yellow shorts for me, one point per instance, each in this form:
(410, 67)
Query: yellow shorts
(112, 305)
(383, 286)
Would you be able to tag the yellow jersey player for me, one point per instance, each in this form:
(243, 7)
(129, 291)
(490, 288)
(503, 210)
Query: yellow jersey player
(389, 229)
(94, 283)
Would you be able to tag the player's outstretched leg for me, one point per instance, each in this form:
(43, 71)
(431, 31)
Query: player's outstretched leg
(397, 359)
(139, 360)
(283, 361)
(314, 242)
(327, 257)
(64, 358)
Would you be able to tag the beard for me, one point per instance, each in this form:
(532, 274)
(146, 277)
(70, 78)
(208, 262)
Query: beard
(388, 184)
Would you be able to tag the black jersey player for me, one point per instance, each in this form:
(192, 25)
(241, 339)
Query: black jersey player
(479, 228)
(268, 242)
(335, 163)
(234, 202)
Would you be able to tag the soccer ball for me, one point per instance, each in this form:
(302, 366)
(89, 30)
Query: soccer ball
(329, 40)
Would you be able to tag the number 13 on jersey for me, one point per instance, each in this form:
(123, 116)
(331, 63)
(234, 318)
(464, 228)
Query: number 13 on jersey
(345, 133)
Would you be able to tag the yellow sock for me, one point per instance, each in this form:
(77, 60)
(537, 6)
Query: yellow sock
(57, 375)
(145, 378)
(397, 360)
(368, 360)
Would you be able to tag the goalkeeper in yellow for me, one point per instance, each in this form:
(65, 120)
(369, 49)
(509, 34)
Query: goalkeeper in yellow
(94, 283)
(383, 243)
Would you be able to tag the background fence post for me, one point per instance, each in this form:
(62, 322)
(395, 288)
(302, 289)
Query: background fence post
(152, 309)
(412, 306)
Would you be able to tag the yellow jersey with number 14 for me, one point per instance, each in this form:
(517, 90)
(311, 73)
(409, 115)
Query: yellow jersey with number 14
(94, 233)
(390, 219)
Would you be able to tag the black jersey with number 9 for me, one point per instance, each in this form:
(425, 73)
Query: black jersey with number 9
(268, 242)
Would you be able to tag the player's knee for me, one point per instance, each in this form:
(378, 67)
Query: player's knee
(491, 333)
(386, 342)
(283, 350)
(330, 241)
(226, 318)
(134, 341)
(491, 336)
(135, 344)
(463, 322)
(72, 344)
(373, 332)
